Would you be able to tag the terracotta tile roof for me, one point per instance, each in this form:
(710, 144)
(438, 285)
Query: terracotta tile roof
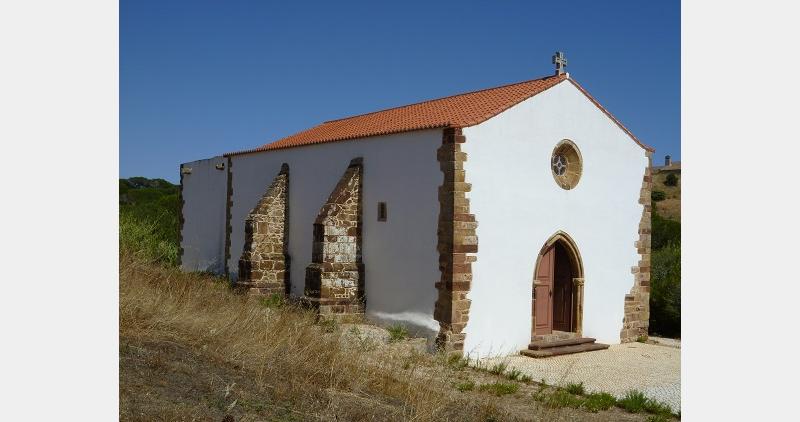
(455, 111)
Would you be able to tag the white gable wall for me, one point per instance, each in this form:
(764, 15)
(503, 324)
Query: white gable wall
(518, 207)
(400, 256)
(203, 232)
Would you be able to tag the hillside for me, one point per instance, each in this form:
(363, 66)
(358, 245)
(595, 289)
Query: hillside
(670, 206)
(151, 206)
(665, 283)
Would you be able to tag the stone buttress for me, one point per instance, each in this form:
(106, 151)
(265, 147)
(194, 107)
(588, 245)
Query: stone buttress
(264, 264)
(335, 277)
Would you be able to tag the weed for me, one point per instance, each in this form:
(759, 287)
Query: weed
(657, 408)
(539, 394)
(498, 369)
(514, 374)
(573, 388)
(633, 402)
(328, 325)
(525, 378)
(273, 301)
(457, 362)
(642, 339)
(561, 398)
(397, 333)
(499, 388)
(367, 344)
(254, 405)
(465, 386)
(599, 401)
(636, 402)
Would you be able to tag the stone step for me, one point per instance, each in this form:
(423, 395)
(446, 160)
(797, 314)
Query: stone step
(539, 345)
(564, 350)
(554, 336)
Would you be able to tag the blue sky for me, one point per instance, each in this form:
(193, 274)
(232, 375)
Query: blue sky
(200, 78)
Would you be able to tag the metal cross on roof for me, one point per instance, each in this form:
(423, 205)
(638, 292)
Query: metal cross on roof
(560, 61)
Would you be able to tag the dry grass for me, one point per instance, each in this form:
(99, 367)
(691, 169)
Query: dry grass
(190, 349)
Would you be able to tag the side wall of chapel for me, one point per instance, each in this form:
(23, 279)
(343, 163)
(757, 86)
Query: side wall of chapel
(399, 256)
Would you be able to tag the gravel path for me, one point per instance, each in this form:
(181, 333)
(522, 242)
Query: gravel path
(655, 370)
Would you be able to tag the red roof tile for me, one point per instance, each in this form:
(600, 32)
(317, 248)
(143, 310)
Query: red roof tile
(455, 111)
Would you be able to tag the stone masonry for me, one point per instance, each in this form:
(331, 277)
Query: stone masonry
(637, 302)
(335, 277)
(228, 208)
(264, 264)
(457, 240)
(181, 219)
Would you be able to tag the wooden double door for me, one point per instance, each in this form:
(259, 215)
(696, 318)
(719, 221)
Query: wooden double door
(553, 292)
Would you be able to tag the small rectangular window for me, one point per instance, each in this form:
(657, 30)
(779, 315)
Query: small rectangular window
(381, 211)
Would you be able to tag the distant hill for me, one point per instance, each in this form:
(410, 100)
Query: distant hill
(141, 189)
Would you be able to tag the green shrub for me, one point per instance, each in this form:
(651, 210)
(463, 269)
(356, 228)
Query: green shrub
(671, 179)
(575, 388)
(658, 195)
(642, 339)
(499, 388)
(599, 401)
(665, 231)
(142, 239)
(148, 219)
(397, 333)
(665, 291)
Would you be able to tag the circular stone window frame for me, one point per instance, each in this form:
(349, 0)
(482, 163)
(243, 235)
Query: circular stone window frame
(571, 175)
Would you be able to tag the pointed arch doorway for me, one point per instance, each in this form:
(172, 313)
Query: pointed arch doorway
(557, 302)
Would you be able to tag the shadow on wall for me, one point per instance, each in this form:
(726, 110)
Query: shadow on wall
(417, 324)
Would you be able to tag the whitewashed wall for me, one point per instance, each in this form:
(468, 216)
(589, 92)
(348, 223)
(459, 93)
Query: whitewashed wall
(518, 207)
(203, 234)
(400, 257)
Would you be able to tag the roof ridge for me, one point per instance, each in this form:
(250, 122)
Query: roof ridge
(443, 98)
